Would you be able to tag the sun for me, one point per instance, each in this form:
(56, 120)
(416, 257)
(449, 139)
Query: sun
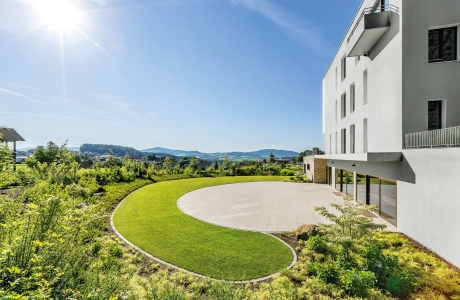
(61, 15)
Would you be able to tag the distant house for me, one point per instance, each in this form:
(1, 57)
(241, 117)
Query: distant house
(135, 157)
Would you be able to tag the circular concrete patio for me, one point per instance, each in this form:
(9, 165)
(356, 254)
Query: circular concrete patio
(259, 206)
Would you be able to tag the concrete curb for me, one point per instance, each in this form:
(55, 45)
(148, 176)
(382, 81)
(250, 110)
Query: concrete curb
(120, 236)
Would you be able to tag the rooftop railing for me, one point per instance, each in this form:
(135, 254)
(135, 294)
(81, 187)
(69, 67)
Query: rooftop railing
(446, 137)
(373, 10)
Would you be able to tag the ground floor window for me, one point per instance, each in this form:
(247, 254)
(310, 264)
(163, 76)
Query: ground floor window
(338, 180)
(370, 190)
(361, 188)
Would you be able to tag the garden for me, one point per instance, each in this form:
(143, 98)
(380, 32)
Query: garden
(55, 243)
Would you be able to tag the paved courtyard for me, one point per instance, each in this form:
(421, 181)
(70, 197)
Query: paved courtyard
(262, 206)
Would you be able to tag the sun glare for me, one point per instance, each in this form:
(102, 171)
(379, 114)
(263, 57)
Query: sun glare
(61, 15)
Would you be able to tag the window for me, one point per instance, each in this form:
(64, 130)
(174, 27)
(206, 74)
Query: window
(336, 79)
(336, 143)
(365, 87)
(308, 166)
(352, 138)
(442, 44)
(434, 115)
(357, 59)
(344, 141)
(365, 136)
(330, 144)
(352, 98)
(336, 111)
(344, 105)
(344, 67)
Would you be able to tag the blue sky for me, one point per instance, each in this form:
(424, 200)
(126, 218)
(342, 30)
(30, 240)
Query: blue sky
(207, 75)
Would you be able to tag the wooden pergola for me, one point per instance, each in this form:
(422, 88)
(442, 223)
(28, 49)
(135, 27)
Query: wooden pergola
(8, 135)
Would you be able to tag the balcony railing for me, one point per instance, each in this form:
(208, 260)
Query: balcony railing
(447, 137)
(373, 10)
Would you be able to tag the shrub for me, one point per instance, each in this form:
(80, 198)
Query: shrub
(115, 251)
(357, 283)
(286, 172)
(317, 244)
(401, 284)
(381, 265)
(327, 272)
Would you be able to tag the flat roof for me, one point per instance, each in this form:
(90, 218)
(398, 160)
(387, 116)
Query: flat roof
(370, 156)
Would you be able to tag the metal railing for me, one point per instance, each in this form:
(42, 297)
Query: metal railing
(446, 137)
(373, 10)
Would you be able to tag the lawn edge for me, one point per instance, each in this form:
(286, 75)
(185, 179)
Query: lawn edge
(126, 241)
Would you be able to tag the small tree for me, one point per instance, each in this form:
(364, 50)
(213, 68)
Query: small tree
(151, 156)
(350, 225)
(167, 164)
(271, 158)
(226, 162)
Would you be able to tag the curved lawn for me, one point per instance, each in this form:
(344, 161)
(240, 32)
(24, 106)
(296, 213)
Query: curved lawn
(150, 219)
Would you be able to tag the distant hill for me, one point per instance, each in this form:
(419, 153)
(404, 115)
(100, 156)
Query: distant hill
(104, 149)
(33, 148)
(234, 155)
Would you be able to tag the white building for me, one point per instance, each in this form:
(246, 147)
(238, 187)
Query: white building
(391, 117)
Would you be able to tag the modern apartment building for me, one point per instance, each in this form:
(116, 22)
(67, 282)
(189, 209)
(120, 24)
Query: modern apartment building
(391, 117)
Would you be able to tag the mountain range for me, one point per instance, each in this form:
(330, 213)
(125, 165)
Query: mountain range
(264, 153)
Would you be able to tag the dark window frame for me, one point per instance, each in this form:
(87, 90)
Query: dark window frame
(438, 111)
(440, 32)
(343, 105)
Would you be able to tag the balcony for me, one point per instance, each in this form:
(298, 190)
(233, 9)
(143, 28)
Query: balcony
(369, 28)
(446, 137)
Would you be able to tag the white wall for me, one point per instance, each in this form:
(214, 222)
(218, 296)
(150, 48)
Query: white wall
(384, 106)
(425, 81)
(429, 210)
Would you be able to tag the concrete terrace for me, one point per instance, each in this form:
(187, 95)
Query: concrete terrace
(262, 206)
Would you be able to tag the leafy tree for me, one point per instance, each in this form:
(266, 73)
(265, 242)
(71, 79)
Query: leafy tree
(194, 164)
(271, 158)
(350, 225)
(112, 160)
(6, 159)
(151, 156)
(167, 164)
(177, 168)
(226, 162)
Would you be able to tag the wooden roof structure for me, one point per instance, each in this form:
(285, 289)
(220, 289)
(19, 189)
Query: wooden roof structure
(9, 135)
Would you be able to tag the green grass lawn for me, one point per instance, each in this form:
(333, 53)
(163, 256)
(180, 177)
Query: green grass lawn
(150, 219)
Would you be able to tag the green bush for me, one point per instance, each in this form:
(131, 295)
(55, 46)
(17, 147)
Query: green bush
(317, 244)
(357, 283)
(287, 172)
(327, 272)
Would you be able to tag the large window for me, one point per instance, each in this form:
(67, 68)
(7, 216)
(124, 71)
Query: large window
(352, 98)
(434, 115)
(344, 67)
(344, 141)
(336, 78)
(442, 44)
(352, 138)
(336, 143)
(336, 111)
(343, 105)
(365, 136)
(365, 87)
(361, 188)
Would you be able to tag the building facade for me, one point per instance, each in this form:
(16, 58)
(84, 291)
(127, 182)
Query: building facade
(391, 117)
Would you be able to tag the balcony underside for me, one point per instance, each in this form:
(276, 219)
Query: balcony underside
(369, 157)
(368, 32)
